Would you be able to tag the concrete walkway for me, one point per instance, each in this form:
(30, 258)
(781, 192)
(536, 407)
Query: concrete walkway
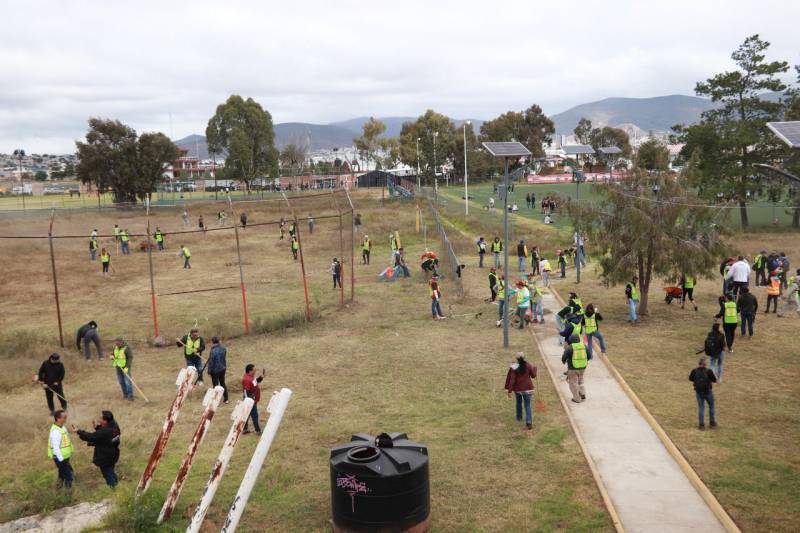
(646, 485)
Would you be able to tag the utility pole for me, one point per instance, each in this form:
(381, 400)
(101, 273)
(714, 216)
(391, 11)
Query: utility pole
(419, 184)
(466, 188)
(505, 254)
(578, 254)
(435, 176)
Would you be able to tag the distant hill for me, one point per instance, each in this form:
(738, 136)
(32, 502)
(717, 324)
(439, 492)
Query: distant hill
(195, 144)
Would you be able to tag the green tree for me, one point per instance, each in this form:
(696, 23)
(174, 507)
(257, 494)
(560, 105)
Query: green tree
(479, 163)
(40, 175)
(424, 129)
(530, 127)
(608, 136)
(243, 129)
(652, 156)
(369, 143)
(293, 156)
(735, 127)
(114, 157)
(583, 131)
(647, 235)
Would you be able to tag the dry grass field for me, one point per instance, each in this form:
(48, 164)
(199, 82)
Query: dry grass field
(752, 462)
(380, 364)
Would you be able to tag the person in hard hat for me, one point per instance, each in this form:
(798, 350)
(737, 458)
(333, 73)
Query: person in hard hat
(105, 440)
(187, 255)
(122, 360)
(576, 357)
(295, 247)
(88, 333)
(51, 378)
(158, 236)
(59, 449)
(366, 248)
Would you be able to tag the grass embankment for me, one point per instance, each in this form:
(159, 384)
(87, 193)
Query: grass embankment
(751, 463)
(381, 365)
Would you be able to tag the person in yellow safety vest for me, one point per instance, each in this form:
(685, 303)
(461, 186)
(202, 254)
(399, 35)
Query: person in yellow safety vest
(729, 313)
(537, 302)
(492, 284)
(59, 449)
(687, 290)
(632, 298)
(122, 360)
(497, 248)
(159, 238)
(760, 267)
(366, 248)
(523, 303)
(186, 254)
(124, 239)
(577, 358)
(93, 248)
(773, 292)
(295, 247)
(116, 232)
(501, 299)
(575, 302)
(105, 260)
(193, 346)
(545, 268)
(792, 296)
(591, 327)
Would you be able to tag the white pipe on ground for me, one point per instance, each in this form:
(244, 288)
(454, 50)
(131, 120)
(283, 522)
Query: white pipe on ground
(210, 401)
(276, 408)
(239, 416)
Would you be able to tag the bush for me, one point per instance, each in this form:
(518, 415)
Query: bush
(136, 514)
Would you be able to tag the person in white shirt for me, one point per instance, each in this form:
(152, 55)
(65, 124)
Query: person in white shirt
(59, 449)
(739, 273)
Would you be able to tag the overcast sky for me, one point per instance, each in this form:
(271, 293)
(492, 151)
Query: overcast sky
(322, 61)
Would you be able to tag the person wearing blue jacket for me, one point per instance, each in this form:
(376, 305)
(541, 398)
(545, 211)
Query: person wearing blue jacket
(217, 365)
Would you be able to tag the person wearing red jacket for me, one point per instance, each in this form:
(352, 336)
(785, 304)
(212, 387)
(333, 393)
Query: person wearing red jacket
(519, 380)
(251, 388)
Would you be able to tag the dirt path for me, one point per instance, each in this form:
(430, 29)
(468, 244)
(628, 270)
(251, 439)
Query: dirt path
(67, 520)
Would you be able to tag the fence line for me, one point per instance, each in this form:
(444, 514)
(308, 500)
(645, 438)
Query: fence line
(449, 259)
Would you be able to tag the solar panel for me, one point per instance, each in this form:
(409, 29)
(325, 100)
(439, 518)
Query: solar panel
(577, 149)
(610, 150)
(788, 132)
(506, 149)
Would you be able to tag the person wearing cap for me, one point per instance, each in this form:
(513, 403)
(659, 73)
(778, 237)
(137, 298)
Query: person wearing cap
(522, 255)
(88, 333)
(105, 440)
(59, 449)
(122, 359)
(51, 378)
(366, 248)
(217, 365)
(703, 378)
(523, 303)
(193, 347)
(577, 358)
(436, 296)
(519, 380)
(481, 251)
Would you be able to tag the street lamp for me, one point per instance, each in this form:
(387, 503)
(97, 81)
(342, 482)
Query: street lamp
(506, 150)
(419, 185)
(466, 188)
(435, 177)
(19, 153)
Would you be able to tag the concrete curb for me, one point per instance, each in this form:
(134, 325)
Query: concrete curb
(712, 502)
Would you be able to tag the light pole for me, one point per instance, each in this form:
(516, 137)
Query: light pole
(20, 154)
(466, 174)
(419, 186)
(435, 176)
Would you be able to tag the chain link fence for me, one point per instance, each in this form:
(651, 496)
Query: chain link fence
(449, 263)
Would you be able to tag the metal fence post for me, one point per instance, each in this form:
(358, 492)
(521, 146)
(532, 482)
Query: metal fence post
(300, 251)
(55, 278)
(152, 282)
(241, 269)
(352, 247)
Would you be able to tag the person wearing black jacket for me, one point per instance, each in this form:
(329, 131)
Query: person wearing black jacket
(105, 440)
(714, 347)
(702, 378)
(748, 307)
(51, 377)
(88, 333)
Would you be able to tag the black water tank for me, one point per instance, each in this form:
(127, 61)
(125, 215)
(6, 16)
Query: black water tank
(380, 484)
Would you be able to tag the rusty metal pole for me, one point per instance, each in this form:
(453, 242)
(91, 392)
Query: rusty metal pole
(276, 408)
(239, 416)
(211, 402)
(302, 261)
(152, 281)
(352, 247)
(241, 269)
(55, 279)
(184, 383)
(341, 252)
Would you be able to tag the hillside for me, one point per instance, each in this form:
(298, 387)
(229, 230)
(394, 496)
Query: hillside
(395, 124)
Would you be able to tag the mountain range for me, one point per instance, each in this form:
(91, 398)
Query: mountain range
(657, 114)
